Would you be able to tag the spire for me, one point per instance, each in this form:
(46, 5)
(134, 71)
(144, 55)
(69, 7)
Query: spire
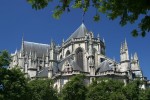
(16, 51)
(51, 41)
(30, 55)
(124, 54)
(98, 35)
(135, 56)
(22, 46)
(23, 37)
(47, 52)
(131, 57)
(103, 40)
(121, 48)
(52, 44)
(125, 45)
(35, 56)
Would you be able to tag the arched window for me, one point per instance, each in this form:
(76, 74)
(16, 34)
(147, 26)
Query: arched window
(102, 51)
(79, 57)
(40, 67)
(95, 57)
(60, 57)
(67, 53)
(102, 59)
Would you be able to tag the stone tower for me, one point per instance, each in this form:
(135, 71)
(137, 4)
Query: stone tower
(91, 56)
(124, 57)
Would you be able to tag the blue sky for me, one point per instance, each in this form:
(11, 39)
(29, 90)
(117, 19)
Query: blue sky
(17, 18)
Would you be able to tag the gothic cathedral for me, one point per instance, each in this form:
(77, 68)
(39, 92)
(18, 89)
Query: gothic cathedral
(81, 53)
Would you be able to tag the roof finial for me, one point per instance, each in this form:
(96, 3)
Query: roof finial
(125, 44)
(135, 56)
(114, 58)
(22, 37)
(83, 16)
(98, 35)
(103, 40)
(16, 51)
(51, 40)
(83, 12)
(22, 46)
(131, 57)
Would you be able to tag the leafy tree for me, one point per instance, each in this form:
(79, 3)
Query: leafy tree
(126, 10)
(4, 58)
(106, 89)
(14, 84)
(145, 94)
(41, 90)
(74, 89)
(132, 90)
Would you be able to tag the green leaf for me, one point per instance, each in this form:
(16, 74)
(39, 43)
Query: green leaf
(143, 34)
(96, 18)
(134, 33)
(102, 9)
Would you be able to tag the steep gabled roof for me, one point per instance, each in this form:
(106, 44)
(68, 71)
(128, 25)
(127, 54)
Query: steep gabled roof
(43, 72)
(72, 63)
(80, 32)
(104, 66)
(39, 48)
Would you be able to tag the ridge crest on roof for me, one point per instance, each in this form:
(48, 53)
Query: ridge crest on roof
(80, 32)
(35, 43)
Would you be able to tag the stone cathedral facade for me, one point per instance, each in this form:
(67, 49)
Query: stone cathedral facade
(81, 53)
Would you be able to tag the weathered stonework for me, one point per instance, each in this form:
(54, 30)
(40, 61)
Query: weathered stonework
(80, 53)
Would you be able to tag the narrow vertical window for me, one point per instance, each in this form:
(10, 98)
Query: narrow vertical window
(67, 53)
(79, 57)
(61, 57)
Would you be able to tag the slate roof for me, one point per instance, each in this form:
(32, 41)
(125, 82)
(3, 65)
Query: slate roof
(80, 32)
(55, 69)
(71, 62)
(43, 72)
(39, 48)
(63, 61)
(75, 65)
(104, 66)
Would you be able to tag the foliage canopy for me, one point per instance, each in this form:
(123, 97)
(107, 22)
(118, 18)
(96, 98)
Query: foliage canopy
(41, 90)
(16, 86)
(75, 89)
(4, 58)
(127, 10)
